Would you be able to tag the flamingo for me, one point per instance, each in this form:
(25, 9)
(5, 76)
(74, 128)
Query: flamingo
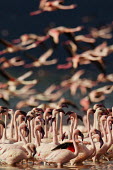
(12, 156)
(62, 156)
(101, 151)
(52, 6)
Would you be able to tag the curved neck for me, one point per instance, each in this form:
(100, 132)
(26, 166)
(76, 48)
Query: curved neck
(92, 143)
(88, 122)
(22, 137)
(61, 124)
(96, 120)
(55, 138)
(11, 125)
(75, 145)
(46, 128)
(15, 128)
(29, 155)
(103, 131)
(71, 129)
(109, 134)
(37, 138)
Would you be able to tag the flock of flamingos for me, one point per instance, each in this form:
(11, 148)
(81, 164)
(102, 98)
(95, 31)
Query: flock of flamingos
(41, 136)
(51, 133)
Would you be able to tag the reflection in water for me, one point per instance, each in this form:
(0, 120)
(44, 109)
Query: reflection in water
(87, 166)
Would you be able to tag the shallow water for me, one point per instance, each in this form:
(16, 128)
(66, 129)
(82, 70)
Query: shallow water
(108, 165)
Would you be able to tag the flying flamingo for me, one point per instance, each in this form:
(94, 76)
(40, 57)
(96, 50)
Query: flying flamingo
(52, 6)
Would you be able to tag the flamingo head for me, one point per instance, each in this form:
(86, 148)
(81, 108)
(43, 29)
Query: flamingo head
(26, 131)
(42, 132)
(2, 123)
(3, 110)
(100, 137)
(63, 105)
(38, 110)
(80, 117)
(69, 113)
(60, 110)
(81, 134)
(20, 112)
(29, 118)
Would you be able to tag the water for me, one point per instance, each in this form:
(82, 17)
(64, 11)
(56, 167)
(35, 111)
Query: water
(86, 166)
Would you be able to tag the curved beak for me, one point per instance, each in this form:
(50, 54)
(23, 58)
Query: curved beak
(2, 123)
(60, 110)
(34, 151)
(63, 136)
(64, 105)
(100, 139)
(38, 110)
(80, 117)
(69, 113)
(49, 119)
(27, 131)
(68, 119)
(9, 116)
(101, 142)
(42, 132)
(52, 120)
(23, 113)
(28, 118)
(81, 134)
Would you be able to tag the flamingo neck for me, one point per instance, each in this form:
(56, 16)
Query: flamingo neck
(96, 120)
(29, 136)
(11, 124)
(103, 131)
(29, 155)
(22, 137)
(71, 129)
(15, 128)
(37, 139)
(109, 134)
(92, 143)
(61, 124)
(88, 122)
(75, 145)
(46, 128)
(55, 138)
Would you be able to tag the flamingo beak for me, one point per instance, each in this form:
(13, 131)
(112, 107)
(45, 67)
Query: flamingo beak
(81, 134)
(42, 132)
(2, 123)
(80, 117)
(49, 119)
(39, 110)
(27, 131)
(23, 113)
(63, 136)
(60, 110)
(64, 105)
(28, 118)
(9, 116)
(69, 113)
(34, 150)
(52, 120)
(68, 119)
(100, 140)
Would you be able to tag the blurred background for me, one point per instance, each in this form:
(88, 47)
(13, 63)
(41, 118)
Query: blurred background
(16, 21)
